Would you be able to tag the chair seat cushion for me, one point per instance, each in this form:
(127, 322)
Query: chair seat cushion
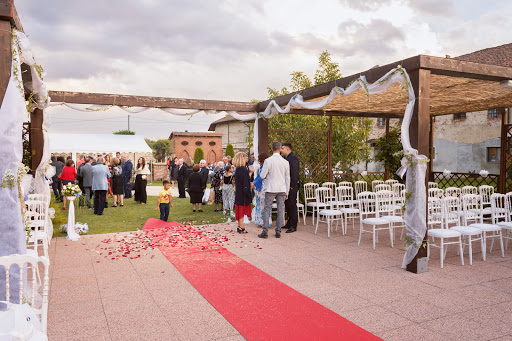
(330, 212)
(505, 225)
(393, 218)
(315, 204)
(375, 221)
(300, 205)
(349, 210)
(443, 233)
(467, 230)
(486, 227)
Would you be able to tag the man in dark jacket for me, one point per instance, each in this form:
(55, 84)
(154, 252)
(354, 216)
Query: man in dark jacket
(182, 178)
(56, 182)
(291, 201)
(127, 175)
(85, 172)
(204, 171)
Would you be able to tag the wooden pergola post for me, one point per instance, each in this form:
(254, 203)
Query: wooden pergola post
(430, 169)
(502, 182)
(36, 139)
(262, 136)
(419, 131)
(329, 149)
(386, 170)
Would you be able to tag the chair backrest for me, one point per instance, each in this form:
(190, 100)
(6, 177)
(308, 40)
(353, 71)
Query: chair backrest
(435, 193)
(309, 191)
(360, 186)
(397, 189)
(345, 196)
(508, 200)
(385, 203)
(498, 207)
(20, 261)
(391, 182)
(435, 212)
(382, 187)
(323, 196)
(432, 184)
(451, 213)
(375, 183)
(344, 184)
(486, 191)
(472, 205)
(367, 204)
(469, 190)
(452, 192)
(332, 186)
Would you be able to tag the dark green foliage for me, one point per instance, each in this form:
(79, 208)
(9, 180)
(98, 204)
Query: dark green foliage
(198, 155)
(230, 150)
(389, 151)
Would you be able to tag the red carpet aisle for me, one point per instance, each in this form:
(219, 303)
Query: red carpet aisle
(256, 304)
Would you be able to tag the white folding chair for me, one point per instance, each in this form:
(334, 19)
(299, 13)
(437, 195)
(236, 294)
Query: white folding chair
(473, 210)
(20, 261)
(332, 186)
(507, 223)
(46, 200)
(382, 187)
(360, 186)
(435, 193)
(301, 208)
(469, 190)
(391, 182)
(386, 210)
(347, 205)
(345, 184)
(435, 209)
(486, 191)
(452, 192)
(397, 190)
(328, 211)
(452, 220)
(375, 183)
(36, 220)
(433, 184)
(369, 216)
(310, 198)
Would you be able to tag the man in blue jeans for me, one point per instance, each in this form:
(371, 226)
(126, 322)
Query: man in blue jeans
(276, 171)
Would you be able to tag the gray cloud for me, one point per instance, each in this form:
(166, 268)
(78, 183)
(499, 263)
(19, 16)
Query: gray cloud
(428, 7)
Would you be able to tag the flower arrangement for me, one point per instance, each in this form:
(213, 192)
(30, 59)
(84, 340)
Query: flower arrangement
(79, 228)
(71, 190)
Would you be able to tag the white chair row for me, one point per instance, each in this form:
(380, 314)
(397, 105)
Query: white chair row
(454, 222)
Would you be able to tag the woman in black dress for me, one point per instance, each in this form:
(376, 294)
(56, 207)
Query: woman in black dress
(117, 182)
(173, 170)
(196, 187)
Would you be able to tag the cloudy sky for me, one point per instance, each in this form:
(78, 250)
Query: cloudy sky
(233, 50)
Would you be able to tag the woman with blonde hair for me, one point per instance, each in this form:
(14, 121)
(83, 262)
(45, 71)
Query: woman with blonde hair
(243, 197)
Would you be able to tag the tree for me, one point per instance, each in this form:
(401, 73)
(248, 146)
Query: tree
(161, 148)
(124, 132)
(389, 151)
(349, 134)
(230, 150)
(198, 155)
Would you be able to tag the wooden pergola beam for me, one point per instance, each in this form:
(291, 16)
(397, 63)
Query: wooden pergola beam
(147, 101)
(334, 113)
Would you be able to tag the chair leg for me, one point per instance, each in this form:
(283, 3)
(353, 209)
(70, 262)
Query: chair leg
(492, 242)
(461, 254)
(360, 232)
(470, 251)
(304, 216)
(441, 255)
(482, 246)
(374, 237)
(328, 227)
(391, 234)
(501, 244)
(316, 229)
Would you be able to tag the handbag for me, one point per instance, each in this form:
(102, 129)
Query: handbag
(258, 183)
(211, 199)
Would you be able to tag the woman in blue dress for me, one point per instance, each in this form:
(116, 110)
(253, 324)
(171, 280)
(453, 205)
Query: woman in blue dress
(259, 193)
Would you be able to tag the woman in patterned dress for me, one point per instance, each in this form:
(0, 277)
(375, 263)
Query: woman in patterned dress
(228, 190)
(217, 179)
(260, 195)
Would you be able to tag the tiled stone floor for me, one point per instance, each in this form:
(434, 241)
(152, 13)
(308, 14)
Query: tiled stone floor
(93, 298)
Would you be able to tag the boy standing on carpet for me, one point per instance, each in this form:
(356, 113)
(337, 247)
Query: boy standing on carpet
(164, 201)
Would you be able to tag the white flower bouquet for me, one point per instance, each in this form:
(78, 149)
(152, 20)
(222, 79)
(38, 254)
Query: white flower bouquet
(79, 228)
(71, 190)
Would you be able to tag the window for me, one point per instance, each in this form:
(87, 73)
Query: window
(492, 113)
(459, 117)
(212, 143)
(184, 143)
(199, 143)
(493, 154)
(381, 122)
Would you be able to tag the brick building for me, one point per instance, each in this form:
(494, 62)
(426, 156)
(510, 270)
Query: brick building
(184, 145)
(233, 131)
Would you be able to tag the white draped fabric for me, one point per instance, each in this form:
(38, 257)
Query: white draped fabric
(12, 229)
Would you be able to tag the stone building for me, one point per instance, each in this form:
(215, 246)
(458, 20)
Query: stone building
(233, 131)
(184, 145)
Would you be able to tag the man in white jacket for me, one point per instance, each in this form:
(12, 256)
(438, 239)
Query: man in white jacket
(276, 171)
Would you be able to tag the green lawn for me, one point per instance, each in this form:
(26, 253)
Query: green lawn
(133, 216)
